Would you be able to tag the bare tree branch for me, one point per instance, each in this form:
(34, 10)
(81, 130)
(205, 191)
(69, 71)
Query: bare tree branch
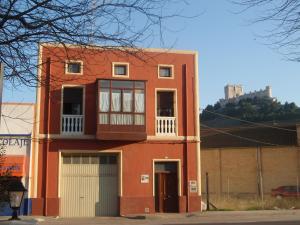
(284, 16)
(24, 23)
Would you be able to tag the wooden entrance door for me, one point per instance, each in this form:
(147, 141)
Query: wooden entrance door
(166, 192)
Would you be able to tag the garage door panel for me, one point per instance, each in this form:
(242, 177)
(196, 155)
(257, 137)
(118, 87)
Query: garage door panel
(89, 189)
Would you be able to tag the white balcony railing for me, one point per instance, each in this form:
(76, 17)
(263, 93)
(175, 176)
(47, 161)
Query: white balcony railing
(166, 126)
(72, 124)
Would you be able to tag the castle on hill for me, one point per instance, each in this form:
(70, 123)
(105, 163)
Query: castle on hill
(234, 93)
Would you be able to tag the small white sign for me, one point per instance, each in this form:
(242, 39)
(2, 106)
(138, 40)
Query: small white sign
(144, 178)
(193, 186)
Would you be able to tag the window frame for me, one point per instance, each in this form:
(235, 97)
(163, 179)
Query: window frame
(168, 66)
(174, 90)
(73, 61)
(120, 64)
(110, 111)
(62, 103)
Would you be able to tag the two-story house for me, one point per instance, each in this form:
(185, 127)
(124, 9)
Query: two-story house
(118, 132)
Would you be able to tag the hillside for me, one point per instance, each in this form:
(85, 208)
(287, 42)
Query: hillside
(255, 110)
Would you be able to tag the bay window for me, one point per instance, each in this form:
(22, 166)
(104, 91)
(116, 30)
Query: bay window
(121, 102)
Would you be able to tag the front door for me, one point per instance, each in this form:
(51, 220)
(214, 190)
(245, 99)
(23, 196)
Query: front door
(166, 188)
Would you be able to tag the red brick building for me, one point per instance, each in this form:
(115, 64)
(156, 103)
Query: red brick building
(117, 132)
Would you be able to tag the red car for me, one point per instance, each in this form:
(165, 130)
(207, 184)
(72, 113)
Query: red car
(286, 191)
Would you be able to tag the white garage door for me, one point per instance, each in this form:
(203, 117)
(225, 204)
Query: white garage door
(89, 185)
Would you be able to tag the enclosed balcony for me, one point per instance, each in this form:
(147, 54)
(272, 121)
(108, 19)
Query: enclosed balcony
(166, 124)
(121, 110)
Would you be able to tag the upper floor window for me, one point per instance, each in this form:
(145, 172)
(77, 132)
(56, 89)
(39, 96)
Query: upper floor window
(120, 69)
(165, 71)
(72, 119)
(72, 101)
(165, 103)
(74, 67)
(121, 102)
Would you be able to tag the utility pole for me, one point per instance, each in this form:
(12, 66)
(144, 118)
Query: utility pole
(207, 192)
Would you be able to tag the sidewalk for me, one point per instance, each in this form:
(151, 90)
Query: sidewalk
(199, 218)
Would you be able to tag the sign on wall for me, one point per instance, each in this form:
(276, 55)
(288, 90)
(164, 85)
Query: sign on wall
(17, 153)
(193, 186)
(145, 178)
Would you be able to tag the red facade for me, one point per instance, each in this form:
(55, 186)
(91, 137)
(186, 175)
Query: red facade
(139, 107)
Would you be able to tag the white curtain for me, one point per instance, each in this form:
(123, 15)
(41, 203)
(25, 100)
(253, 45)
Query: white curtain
(103, 118)
(139, 101)
(139, 119)
(116, 100)
(121, 119)
(104, 100)
(127, 100)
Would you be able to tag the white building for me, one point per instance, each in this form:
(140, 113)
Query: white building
(16, 129)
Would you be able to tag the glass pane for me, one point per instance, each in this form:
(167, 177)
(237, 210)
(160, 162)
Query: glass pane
(120, 70)
(140, 84)
(76, 159)
(74, 67)
(72, 101)
(122, 84)
(165, 71)
(104, 83)
(121, 119)
(112, 159)
(139, 102)
(166, 166)
(67, 160)
(85, 159)
(15, 198)
(116, 101)
(127, 100)
(103, 118)
(165, 104)
(103, 160)
(95, 159)
(139, 119)
(104, 100)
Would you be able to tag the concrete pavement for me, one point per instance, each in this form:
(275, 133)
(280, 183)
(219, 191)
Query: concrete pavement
(229, 217)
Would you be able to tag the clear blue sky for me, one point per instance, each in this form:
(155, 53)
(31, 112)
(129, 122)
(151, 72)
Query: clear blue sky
(229, 52)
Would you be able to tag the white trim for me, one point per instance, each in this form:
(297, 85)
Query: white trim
(166, 65)
(197, 123)
(93, 137)
(120, 64)
(59, 173)
(178, 161)
(120, 164)
(83, 107)
(73, 61)
(171, 138)
(175, 106)
(158, 50)
(62, 136)
(37, 125)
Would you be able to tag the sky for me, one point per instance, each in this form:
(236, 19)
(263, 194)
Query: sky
(230, 52)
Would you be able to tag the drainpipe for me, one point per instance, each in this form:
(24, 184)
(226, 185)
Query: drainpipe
(197, 122)
(47, 130)
(185, 118)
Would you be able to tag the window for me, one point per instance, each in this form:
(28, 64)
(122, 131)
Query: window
(72, 119)
(72, 101)
(165, 104)
(165, 71)
(121, 102)
(74, 67)
(120, 70)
